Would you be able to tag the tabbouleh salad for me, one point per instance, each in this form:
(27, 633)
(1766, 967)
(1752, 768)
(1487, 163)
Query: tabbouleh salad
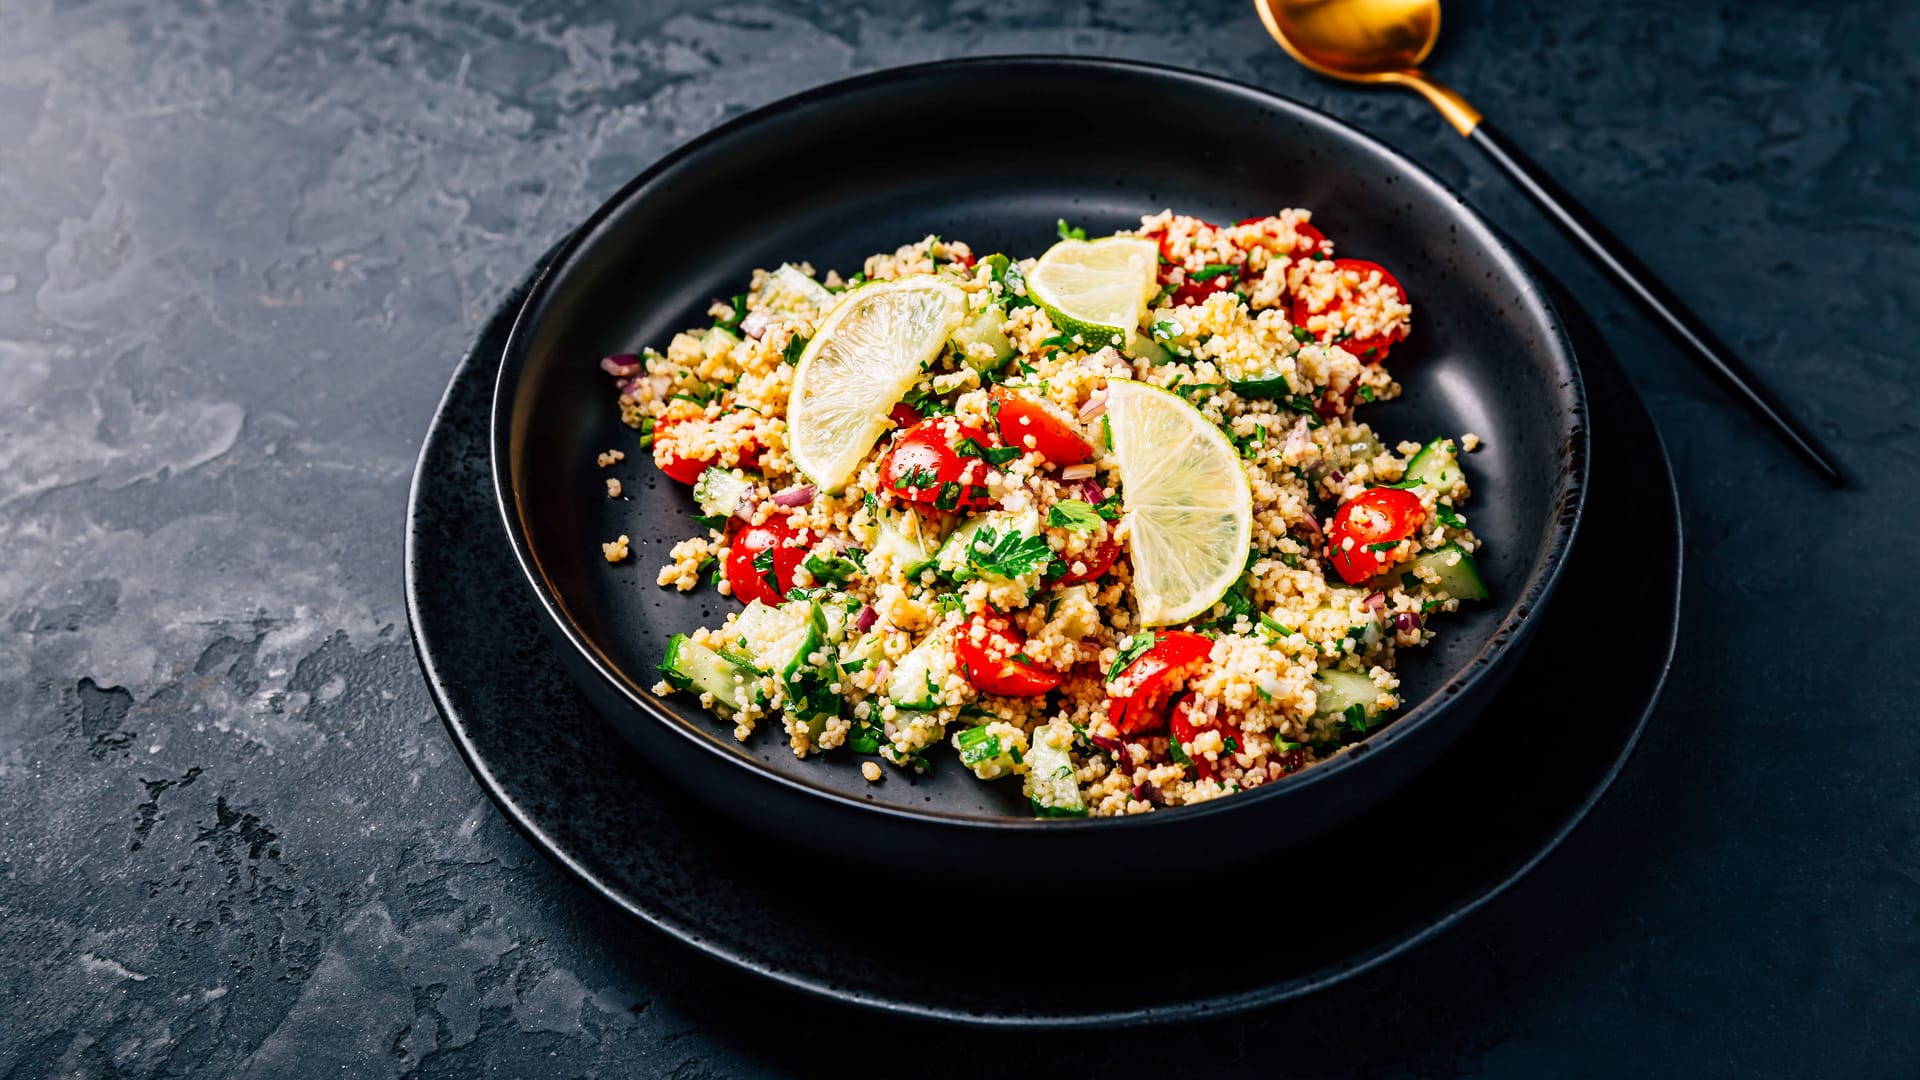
(1104, 521)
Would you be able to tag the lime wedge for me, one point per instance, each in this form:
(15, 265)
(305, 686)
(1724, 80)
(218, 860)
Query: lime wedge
(1186, 498)
(1098, 289)
(864, 357)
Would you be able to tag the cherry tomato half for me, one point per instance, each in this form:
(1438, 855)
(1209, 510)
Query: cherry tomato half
(1137, 700)
(1025, 424)
(904, 415)
(1312, 240)
(1370, 349)
(988, 650)
(1375, 516)
(924, 465)
(685, 469)
(761, 560)
(1190, 720)
(1094, 564)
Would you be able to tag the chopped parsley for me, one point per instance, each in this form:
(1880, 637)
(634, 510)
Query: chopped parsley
(1448, 517)
(763, 565)
(731, 321)
(1109, 507)
(948, 497)
(835, 569)
(1212, 270)
(1008, 556)
(1366, 392)
(1073, 514)
(795, 346)
(1384, 545)
(993, 455)
(646, 433)
(1303, 335)
(1069, 232)
(1167, 330)
(1178, 753)
(1356, 717)
(1131, 648)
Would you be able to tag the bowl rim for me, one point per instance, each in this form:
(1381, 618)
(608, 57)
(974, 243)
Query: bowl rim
(1544, 575)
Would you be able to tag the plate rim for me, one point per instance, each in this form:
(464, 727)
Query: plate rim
(1512, 631)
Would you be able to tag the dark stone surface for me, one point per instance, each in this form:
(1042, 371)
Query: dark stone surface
(241, 246)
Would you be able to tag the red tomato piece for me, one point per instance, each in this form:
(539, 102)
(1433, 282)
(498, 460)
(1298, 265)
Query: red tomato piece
(685, 469)
(761, 560)
(989, 652)
(925, 466)
(1137, 699)
(1190, 720)
(1370, 349)
(1376, 516)
(1312, 240)
(904, 415)
(1097, 563)
(1025, 424)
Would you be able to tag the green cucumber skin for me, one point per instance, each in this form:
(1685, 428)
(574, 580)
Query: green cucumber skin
(1461, 581)
(1336, 690)
(693, 667)
(1435, 466)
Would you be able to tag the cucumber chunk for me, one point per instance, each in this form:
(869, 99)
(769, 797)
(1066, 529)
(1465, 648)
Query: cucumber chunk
(694, 667)
(1336, 690)
(1459, 574)
(1435, 466)
(909, 539)
(983, 327)
(721, 492)
(920, 676)
(790, 292)
(1050, 784)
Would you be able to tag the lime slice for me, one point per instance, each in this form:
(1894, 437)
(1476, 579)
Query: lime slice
(1186, 498)
(1096, 288)
(861, 361)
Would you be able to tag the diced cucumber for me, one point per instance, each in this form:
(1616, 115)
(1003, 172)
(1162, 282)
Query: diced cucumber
(1435, 466)
(1459, 574)
(761, 626)
(692, 666)
(991, 750)
(1336, 690)
(719, 336)
(810, 695)
(1050, 783)
(983, 327)
(1142, 347)
(909, 539)
(788, 285)
(920, 675)
(721, 492)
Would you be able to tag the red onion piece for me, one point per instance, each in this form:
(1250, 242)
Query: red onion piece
(795, 496)
(1407, 621)
(1311, 527)
(754, 324)
(864, 621)
(1337, 476)
(1082, 471)
(621, 365)
(1378, 602)
(1096, 406)
(1091, 492)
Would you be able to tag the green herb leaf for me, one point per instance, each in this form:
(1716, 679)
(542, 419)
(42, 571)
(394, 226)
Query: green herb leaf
(977, 745)
(1008, 556)
(1073, 514)
(993, 455)
(1068, 232)
(1131, 648)
(1448, 517)
(1303, 335)
(1212, 270)
(795, 346)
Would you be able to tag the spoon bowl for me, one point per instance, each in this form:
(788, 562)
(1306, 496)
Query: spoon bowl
(1360, 40)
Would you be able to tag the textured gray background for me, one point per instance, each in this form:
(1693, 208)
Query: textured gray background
(242, 244)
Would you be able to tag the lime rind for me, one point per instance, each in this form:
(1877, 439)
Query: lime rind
(1097, 290)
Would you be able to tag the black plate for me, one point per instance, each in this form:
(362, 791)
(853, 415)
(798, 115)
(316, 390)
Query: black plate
(1496, 804)
(821, 177)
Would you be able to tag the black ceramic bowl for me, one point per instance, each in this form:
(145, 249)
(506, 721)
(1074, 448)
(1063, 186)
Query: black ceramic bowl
(864, 165)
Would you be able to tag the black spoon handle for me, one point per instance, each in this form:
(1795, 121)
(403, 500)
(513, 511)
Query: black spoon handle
(1654, 297)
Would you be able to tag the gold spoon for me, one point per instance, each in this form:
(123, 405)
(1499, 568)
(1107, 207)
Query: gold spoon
(1385, 41)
